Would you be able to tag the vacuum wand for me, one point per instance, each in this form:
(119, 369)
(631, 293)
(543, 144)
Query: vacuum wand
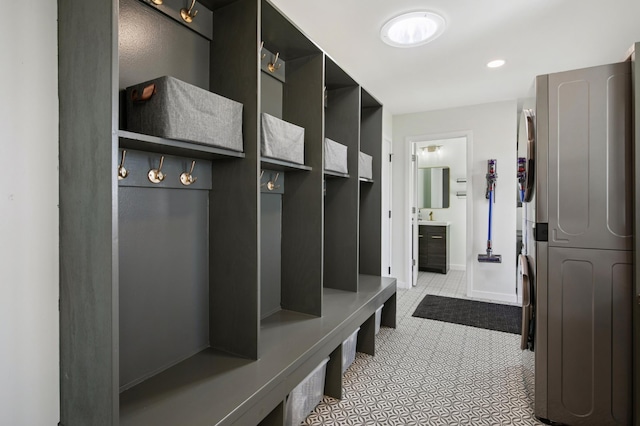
(492, 177)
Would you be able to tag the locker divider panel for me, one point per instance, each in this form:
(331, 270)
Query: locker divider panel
(234, 217)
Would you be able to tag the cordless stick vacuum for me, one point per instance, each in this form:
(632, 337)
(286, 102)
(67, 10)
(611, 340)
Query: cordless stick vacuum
(492, 176)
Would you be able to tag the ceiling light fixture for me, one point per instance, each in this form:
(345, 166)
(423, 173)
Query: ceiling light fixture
(496, 63)
(412, 29)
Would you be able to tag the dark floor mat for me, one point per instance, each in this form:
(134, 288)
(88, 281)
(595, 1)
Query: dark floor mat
(491, 316)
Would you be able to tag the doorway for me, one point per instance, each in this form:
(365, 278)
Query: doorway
(440, 189)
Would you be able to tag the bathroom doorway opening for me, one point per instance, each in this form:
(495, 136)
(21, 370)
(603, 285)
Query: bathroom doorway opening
(440, 193)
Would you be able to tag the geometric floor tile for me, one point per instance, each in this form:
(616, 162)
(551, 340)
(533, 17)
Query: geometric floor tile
(428, 372)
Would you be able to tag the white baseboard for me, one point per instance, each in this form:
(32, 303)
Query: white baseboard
(458, 267)
(505, 299)
(401, 284)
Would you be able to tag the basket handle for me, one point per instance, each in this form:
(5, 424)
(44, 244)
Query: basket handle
(147, 93)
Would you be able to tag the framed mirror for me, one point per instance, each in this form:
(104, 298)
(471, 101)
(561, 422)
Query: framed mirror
(433, 187)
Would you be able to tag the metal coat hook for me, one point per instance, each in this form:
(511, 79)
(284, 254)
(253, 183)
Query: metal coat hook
(122, 172)
(157, 2)
(156, 175)
(188, 14)
(187, 177)
(271, 184)
(261, 47)
(272, 65)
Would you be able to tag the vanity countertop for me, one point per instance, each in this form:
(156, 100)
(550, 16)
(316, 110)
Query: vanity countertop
(433, 223)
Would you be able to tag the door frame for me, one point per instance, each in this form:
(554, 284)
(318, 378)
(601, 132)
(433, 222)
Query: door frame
(387, 197)
(410, 197)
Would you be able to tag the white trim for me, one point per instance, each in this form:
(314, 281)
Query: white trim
(387, 247)
(411, 141)
(409, 197)
(455, 267)
(487, 296)
(402, 284)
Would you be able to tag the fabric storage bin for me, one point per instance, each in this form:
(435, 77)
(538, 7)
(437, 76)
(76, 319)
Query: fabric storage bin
(378, 318)
(365, 165)
(303, 398)
(170, 108)
(335, 156)
(349, 350)
(281, 140)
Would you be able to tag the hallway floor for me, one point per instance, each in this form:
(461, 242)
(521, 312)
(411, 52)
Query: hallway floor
(434, 373)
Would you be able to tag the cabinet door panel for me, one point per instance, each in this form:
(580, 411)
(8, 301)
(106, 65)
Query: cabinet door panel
(589, 336)
(589, 158)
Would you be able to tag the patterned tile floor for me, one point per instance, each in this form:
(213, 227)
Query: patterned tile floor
(434, 373)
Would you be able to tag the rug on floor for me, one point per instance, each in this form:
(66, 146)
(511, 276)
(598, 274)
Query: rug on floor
(491, 316)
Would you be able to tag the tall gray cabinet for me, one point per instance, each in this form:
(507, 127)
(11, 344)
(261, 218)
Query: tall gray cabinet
(170, 294)
(584, 266)
(635, 85)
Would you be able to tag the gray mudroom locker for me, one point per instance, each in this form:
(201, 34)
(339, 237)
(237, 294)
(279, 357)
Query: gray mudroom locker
(204, 273)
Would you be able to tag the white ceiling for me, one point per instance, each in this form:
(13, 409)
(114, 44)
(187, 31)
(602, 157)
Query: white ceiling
(534, 37)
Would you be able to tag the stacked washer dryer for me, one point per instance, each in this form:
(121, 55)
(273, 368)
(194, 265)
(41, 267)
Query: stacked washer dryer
(580, 245)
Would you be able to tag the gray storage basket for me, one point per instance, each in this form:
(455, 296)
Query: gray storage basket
(281, 140)
(178, 110)
(365, 165)
(335, 156)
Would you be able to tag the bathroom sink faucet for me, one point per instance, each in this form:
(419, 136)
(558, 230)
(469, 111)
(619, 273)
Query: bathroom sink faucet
(430, 215)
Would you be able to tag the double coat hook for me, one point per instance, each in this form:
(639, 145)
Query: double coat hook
(271, 183)
(156, 175)
(122, 172)
(262, 55)
(188, 14)
(273, 66)
(187, 178)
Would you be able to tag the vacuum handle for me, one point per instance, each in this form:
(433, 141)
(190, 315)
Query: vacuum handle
(490, 212)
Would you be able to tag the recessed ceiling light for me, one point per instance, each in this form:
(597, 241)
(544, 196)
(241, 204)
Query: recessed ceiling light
(496, 64)
(412, 29)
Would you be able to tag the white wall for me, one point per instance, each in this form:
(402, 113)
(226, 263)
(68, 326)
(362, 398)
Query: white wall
(492, 132)
(29, 361)
(453, 154)
(387, 124)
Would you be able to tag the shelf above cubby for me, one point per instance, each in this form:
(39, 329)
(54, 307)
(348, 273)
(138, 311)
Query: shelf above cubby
(366, 180)
(281, 165)
(148, 143)
(332, 174)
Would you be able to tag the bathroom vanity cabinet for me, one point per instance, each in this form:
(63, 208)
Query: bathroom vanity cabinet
(433, 248)
(170, 293)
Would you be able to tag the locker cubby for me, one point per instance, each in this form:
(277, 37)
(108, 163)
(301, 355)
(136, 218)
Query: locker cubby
(164, 306)
(342, 124)
(296, 99)
(370, 189)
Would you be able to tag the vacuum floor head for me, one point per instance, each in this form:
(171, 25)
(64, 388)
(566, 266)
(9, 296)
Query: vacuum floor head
(489, 258)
